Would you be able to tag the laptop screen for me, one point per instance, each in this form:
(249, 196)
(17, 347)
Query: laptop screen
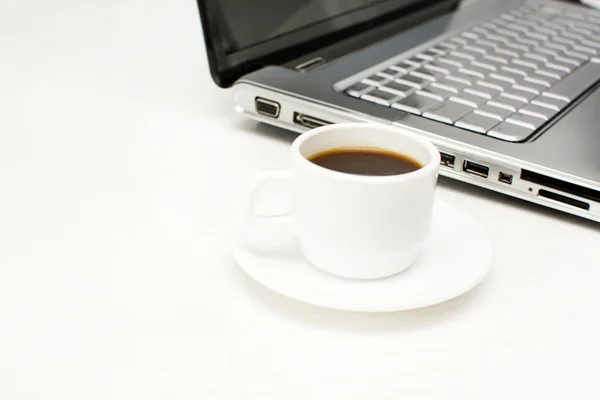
(242, 35)
(247, 26)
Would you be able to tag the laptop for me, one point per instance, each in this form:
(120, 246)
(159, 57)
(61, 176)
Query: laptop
(506, 90)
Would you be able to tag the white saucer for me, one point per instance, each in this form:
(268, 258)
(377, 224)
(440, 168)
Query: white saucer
(456, 258)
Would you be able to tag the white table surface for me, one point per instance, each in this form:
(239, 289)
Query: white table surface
(123, 169)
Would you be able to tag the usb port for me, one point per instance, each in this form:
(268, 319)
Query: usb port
(447, 160)
(505, 178)
(476, 169)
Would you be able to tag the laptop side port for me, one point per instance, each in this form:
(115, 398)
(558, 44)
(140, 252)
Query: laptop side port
(471, 167)
(447, 160)
(563, 186)
(266, 107)
(564, 199)
(505, 178)
(308, 121)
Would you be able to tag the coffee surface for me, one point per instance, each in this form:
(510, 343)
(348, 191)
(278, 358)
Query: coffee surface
(365, 161)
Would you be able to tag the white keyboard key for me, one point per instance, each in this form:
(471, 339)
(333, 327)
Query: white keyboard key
(564, 40)
(375, 80)
(545, 50)
(572, 35)
(445, 86)
(417, 62)
(540, 80)
(435, 92)
(559, 66)
(449, 112)
(426, 74)
(506, 77)
(591, 43)
(452, 82)
(507, 53)
(486, 45)
(460, 40)
(398, 88)
(537, 56)
(518, 95)
(574, 54)
(468, 99)
(517, 46)
(527, 41)
(494, 84)
(466, 56)
(482, 91)
(527, 121)
(438, 50)
(584, 32)
(475, 49)
(497, 38)
(510, 132)
(549, 102)
(481, 30)
(525, 63)
(460, 79)
(585, 49)
(557, 46)
(358, 89)
(532, 87)
(513, 72)
(537, 111)
(380, 97)
(493, 112)
(390, 73)
(440, 68)
(454, 61)
(414, 81)
(572, 62)
(507, 33)
(486, 65)
(476, 123)
(473, 72)
(552, 73)
(496, 59)
(507, 103)
(537, 36)
(415, 104)
(449, 45)
(426, 55)
(405, 65)
(470, 35)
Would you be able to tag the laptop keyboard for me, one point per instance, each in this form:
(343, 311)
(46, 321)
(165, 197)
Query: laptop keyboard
(503, 78)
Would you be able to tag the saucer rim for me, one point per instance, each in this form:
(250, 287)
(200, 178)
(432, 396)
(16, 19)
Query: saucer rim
(345, 303)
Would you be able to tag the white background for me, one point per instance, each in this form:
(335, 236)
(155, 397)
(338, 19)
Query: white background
(123, 169)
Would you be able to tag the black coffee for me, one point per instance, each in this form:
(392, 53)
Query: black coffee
(365, 161)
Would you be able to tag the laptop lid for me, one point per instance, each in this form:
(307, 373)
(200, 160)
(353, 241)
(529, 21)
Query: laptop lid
(242, 36)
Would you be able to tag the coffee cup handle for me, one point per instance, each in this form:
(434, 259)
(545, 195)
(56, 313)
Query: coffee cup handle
(274, 229)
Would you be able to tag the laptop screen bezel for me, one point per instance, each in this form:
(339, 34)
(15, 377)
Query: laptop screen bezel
(226, 68)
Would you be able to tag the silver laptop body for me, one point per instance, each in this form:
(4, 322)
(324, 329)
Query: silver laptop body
(507, 91)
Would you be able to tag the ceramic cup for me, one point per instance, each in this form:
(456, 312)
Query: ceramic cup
(356, 226)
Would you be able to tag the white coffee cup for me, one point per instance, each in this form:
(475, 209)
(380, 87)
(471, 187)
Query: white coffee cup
(357, 226)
